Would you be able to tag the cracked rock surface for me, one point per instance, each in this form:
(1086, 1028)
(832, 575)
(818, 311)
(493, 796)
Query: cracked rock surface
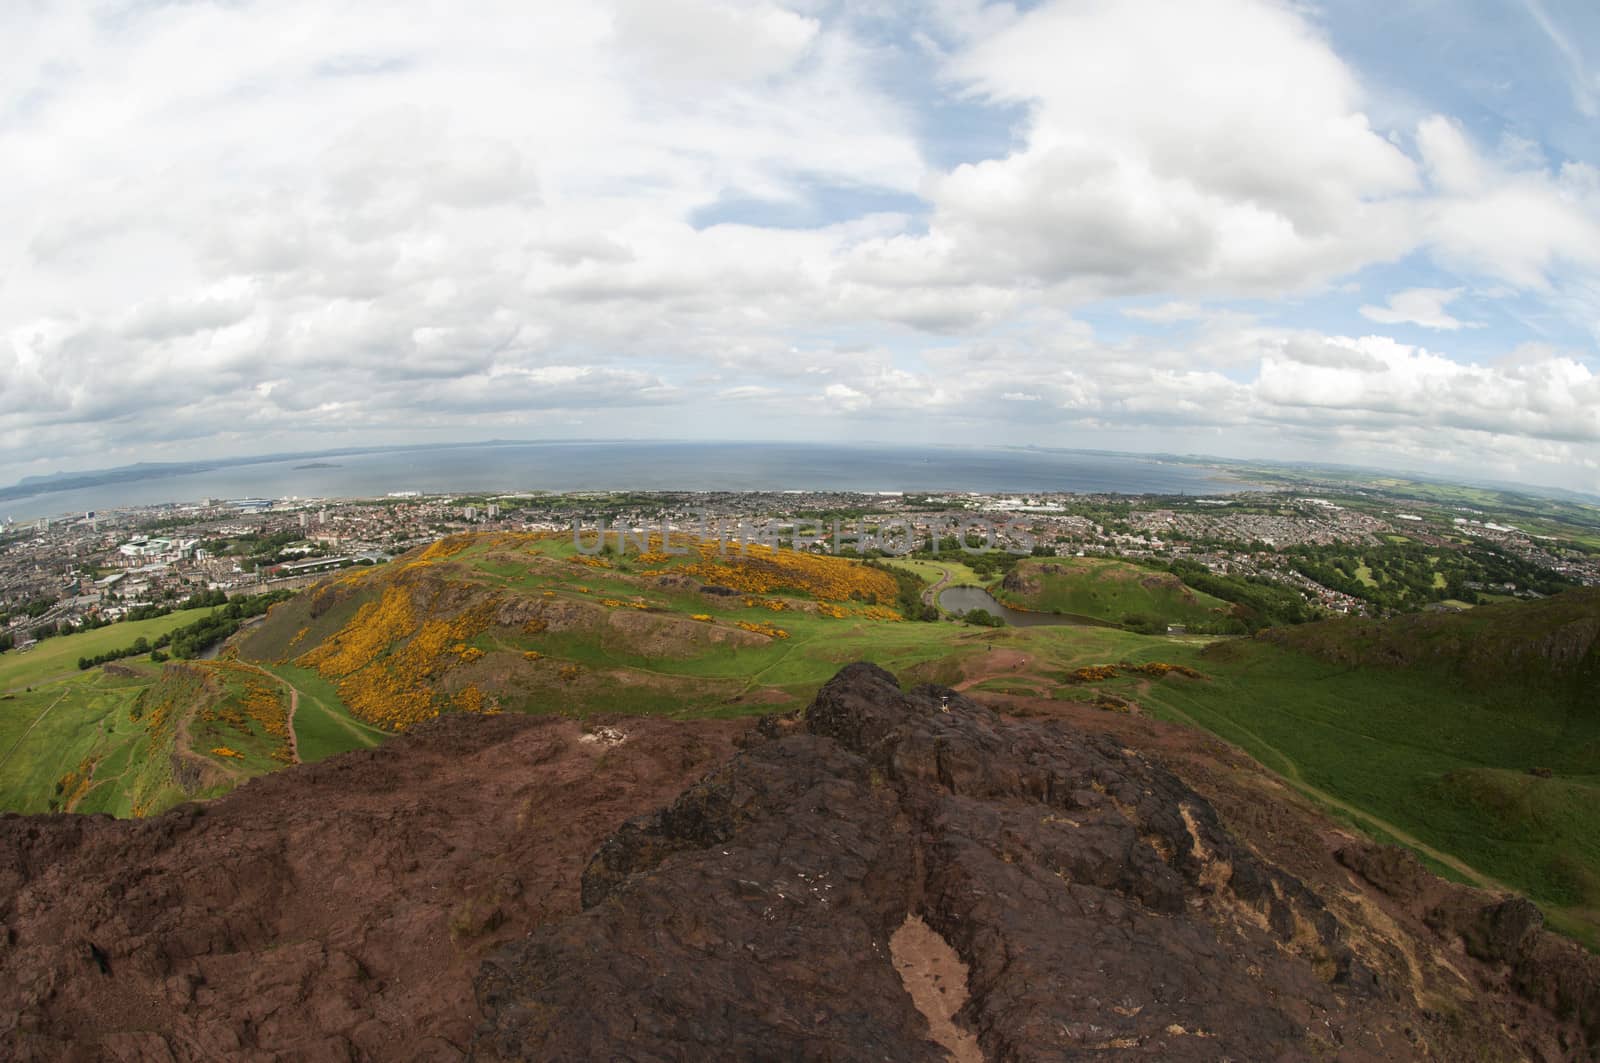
(1095, 900)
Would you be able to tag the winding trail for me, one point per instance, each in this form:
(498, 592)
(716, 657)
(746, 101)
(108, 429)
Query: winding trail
(294, 705)
(293, 740)
(930, 596)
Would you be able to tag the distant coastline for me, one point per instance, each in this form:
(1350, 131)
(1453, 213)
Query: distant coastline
(590, 465)
(507, 466)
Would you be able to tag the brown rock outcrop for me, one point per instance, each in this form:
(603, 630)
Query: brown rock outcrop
(1095, 899)
(330, 911)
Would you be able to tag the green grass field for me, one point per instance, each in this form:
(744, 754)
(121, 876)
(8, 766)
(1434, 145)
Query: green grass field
(74, 739)
(83, 728)
(57, 658)
(643, 661)
(323, 725)
(961, 575)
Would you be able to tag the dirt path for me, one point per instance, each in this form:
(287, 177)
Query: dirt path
(931, 595)
(994, 663)
(183, 745)
(294, 706)
(36, 721)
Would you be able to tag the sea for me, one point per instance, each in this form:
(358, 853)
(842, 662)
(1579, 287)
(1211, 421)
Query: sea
(646, 466)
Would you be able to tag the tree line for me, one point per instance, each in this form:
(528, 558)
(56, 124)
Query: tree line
(191, 640)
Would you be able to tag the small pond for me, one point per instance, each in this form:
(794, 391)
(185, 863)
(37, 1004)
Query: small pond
(960, 599)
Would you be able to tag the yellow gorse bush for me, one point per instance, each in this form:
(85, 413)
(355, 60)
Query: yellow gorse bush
(762, 569)
(386, 658)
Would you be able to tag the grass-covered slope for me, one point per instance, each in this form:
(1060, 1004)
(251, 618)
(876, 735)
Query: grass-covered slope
(1474, 736)
(1551, 646)
(529, 624)
(57, 658)
(136, 738)
(1114, 591)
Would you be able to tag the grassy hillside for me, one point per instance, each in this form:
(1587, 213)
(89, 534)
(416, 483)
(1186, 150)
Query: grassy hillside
(528, 624)
(57, 658)
(1550, 645)
(132, 737)
(1474, 737)
(101, 741)
(1106, 589)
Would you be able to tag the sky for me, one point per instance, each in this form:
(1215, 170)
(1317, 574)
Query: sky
(1356, 232)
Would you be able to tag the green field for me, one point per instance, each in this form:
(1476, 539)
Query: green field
(82, 740)
(83, 729)
(932, 572)
(322, 724)
(1113, 591)
(57, 658)
(654, 659)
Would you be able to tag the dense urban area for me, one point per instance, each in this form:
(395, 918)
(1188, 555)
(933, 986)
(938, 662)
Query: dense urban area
(1290, 556)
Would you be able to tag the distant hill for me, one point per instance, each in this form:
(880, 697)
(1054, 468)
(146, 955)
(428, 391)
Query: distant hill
(527, 623)
(1105, 589)
(1552, 644)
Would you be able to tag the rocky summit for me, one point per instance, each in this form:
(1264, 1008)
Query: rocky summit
(885, 875)
(1092, 900)
(1095, 900)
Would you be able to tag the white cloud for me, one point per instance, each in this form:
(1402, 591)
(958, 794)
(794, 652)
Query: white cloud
(1582, 82)
(699, 42)
(1214, 147)
(1532, 228)
(1419, 306)
(252, 223)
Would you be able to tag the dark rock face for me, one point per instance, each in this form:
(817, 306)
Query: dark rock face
(1096, 900)
(1505, 932)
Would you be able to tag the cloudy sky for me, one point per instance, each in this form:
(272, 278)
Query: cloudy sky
(1364, 230)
